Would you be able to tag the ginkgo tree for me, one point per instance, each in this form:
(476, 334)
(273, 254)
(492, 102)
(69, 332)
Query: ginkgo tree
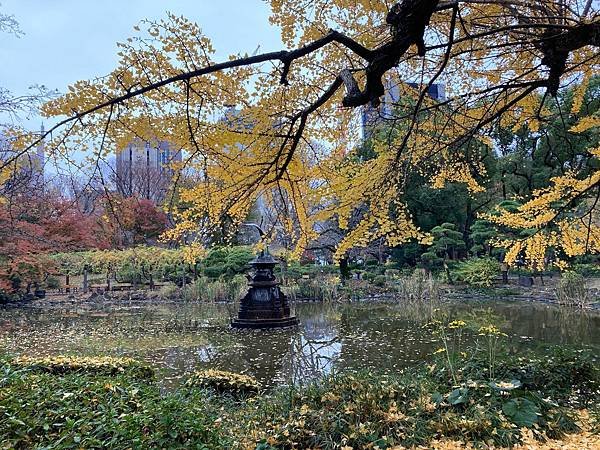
(503, 62)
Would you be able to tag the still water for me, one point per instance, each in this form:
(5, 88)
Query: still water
(178, 338)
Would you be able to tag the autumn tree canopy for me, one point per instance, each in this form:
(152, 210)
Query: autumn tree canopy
(291, 138)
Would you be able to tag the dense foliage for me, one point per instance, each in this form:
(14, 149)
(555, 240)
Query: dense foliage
(519, 81)
(143, 264)
(480, 272)
(224, 382)
(532, 395)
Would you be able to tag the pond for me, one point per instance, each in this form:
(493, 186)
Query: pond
(178, 338)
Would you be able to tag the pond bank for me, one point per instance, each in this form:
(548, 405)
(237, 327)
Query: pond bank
(512, 292)
(422, 406)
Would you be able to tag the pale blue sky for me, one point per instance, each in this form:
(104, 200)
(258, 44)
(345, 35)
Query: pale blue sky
(69, 40)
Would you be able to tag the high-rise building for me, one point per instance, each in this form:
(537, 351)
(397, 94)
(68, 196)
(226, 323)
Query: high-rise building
(370, 117)
(28, 167)
(144, 169)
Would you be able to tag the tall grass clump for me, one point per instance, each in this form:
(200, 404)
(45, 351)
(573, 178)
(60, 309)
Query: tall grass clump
(322, 288)
(420, 292)
(204, 289)
(571, 290)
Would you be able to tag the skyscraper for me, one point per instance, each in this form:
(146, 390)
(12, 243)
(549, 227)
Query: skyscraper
(370, 117)
(143, 169)
(28, 167)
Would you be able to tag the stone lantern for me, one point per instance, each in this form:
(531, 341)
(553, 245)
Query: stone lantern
(265, 305)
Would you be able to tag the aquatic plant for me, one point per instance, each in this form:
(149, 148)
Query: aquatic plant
(223, 289)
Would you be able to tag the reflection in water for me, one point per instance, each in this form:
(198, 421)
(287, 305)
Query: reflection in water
(180, 338)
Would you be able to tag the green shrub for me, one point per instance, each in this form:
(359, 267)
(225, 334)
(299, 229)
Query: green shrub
(80, 410)
(568, 377)
(227, 261)
(224, 382)
(369, 276)
(379, 280)
(480, 272)
(60, 365)
(587, 269)
(52, 282)
(431, 260)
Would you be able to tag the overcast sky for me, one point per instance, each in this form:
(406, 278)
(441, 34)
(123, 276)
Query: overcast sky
(70, 40)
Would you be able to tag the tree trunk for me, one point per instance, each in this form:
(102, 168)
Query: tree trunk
(504, 269)
(67, 283)
(468, 222)
(448, 274)
(85, 280)
(344, 271)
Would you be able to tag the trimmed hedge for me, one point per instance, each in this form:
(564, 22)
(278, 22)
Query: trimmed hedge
(223, 381)
(60, 365)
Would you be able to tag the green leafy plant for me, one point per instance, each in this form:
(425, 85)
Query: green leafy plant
(227, 261)
(223, 381)
(522, 412)
(81, 364)
(480, 272)
(379, 280)
(87, 409)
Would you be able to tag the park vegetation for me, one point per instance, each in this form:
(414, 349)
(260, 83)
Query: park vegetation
(361, 182)
(526, 399)
(510, 150)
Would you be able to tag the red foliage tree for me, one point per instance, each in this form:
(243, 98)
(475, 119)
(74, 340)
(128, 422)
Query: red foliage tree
(134, 221)
(31, 227)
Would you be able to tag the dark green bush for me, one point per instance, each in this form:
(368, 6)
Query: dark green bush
(52, 282)
(227, 261)
(587, 270)
(379, 280)
(369, 276)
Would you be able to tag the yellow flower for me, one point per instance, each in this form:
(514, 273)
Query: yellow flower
(457, 324)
